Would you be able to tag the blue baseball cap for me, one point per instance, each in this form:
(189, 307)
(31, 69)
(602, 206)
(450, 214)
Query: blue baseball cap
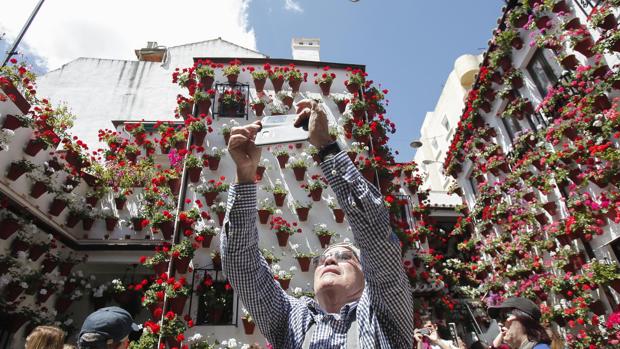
(106, 326)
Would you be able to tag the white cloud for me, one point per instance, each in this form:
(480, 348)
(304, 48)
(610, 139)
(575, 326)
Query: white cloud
(68, 29)
(292, 5)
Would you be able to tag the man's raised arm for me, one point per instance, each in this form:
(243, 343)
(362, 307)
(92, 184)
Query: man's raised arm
(242, 262)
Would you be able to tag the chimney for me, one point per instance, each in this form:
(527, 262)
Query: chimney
(151, 53)
(305, 49)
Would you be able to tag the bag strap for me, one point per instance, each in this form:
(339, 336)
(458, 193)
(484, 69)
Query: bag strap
(353, 335)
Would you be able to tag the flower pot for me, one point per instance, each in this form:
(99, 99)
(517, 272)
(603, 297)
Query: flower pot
(120, 203)
(92, 200)
(110, 223)
(304, 263)
(72, 220)
(615, 284)
(48, 265)
(206, 82)
(263, 216)
(258, 109)
(282, 160)
(34, 146)
(543, 22)
(87, 223)
(11, 122)
(232, 78)
(560, 6)
(35, 252)
(174, 185)
(172, 341)
(15, 172)
(38, 189)
(166, 228)
(302, 213)
(277, 83)
(210, 197)
(316, 194)
(284, 283)
(154, 308)
(42, 298)
(505, 63)
(12, 291)
(295, 84)
(369, 174)
(597, 307)
(248, 327)
(206, 242)
(517, 43)
(198, 137)
(160, 268)
(217, 262)
(282, 238)
(259, 84)
(585, 46)
(194, 174)
(178, 303)
(338, 215)
(62, 304)
(181, 264)
(324, 240)
(550, 207)
(300, 173)
(352, 88)
(609, 22)
(260, 171)
(325, 88)
(517, 82)
(342, 106)
(204, 107)
(601, 102)
(220, 218)
(65, 268)
(57, 206)
(279, 198)
(541, 218)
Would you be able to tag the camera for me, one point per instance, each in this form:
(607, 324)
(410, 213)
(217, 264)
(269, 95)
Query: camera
(425, 332)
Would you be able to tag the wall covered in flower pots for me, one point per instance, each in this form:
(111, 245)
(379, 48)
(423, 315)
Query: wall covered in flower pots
(536, 160)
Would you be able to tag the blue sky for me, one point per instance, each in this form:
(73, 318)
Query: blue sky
(407, 45)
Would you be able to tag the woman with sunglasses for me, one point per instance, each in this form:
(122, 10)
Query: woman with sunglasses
(519, 323)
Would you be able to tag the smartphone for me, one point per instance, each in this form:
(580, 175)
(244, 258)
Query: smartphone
(278, 129)
(453, 333)
(425, 331)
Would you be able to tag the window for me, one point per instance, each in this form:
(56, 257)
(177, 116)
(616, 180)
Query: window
(231, 99)
(435, 144)
(445, 123)
(472, 184)
(216, 298)
(541, 72)
(512, 126)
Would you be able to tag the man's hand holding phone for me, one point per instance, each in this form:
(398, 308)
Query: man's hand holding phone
(244, 152)
(309, 110)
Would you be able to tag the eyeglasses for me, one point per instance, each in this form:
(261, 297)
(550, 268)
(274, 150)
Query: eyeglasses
(338, 256)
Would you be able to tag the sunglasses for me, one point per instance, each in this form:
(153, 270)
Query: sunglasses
(338, 256)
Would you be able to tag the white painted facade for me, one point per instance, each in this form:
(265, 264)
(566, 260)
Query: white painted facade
(439, 126)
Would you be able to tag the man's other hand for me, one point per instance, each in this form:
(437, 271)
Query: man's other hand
(244, 152)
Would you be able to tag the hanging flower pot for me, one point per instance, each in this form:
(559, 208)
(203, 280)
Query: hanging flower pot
(615, 284)
(248, 326)
(72, 219)
(560, 6)
(517, 43)
(175, 185)
(42, 298)
(282, 238)
(284, 283)
(259, 84)
(369, 174)
(505, 63)
(194, 174)
(232, 78)
(198, 137)
(35, 252)
(62, 304)
(584, 46)
(295, 84)
(315, 194)
(214, 163)
(282, 160)
(207, 82)
(302, 213)
(220, 218)
(279, 198)
(352, 87)
(260, 171)
(57, 206)
(300, 173)
(325, 87)
(206, 242)
(12, 291)
(210, 197)
(160, 268)
(177, 304)
(11, 122)
(263, 216)
(324, 240)
(609, 22)
(173, 342)
(110, 223)
(15, 171)
(277, 83)
(304, 263)
(181, 264)
(166, 228)
(541, 218)
(38, 189)
(87, 223)
(601, 102)
(48, 265)
(34, 146)
(65, 268)
(204, 107)
(550, 207)
(544, 22)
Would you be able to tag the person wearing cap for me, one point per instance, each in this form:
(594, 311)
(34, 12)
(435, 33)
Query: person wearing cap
(519, 323)
(363, 297)
(107, 328)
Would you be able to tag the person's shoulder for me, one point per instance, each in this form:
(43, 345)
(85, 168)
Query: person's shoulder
(542, 346)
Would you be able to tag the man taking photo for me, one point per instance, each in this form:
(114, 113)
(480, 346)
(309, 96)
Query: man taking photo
(363, 297)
